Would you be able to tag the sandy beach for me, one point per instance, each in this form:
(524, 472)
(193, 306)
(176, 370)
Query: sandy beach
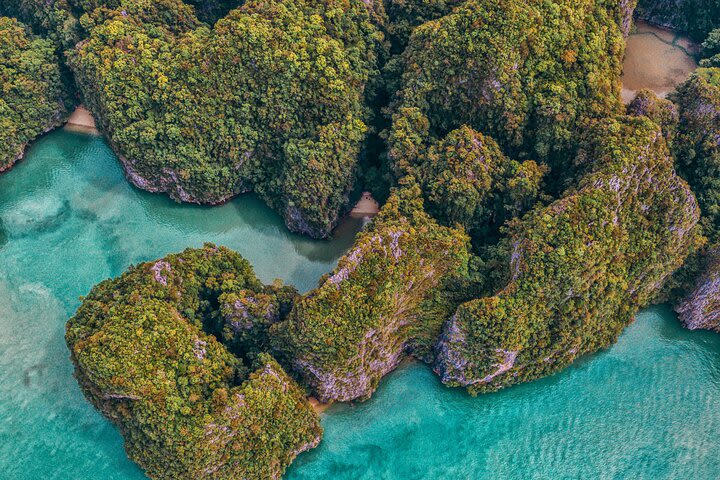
(367, 206)
(82, 120)
(657, 59)
(317, 405)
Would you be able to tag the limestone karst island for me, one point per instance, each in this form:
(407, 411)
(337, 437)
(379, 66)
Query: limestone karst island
(359, 239)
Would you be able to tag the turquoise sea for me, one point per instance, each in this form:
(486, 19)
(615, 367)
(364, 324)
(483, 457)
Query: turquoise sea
(646, 408)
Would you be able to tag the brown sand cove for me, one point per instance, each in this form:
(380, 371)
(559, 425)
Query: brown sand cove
(367, 206)
(317, 405)
(81, 120)
(657, 59)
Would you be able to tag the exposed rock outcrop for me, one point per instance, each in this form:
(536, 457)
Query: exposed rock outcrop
(167, 181)
(146, 354)
(701, 308)
(581, 267)
(362, 320)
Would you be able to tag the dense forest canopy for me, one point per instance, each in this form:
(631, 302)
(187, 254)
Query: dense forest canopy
(270, 99)
(697, 150)
(527, 213)
(33, 96)
(581, 267)
(146, 356)
(527, 73)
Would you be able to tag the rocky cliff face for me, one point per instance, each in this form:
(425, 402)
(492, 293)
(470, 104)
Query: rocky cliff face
(167, 181)
(626, 11)
(344, 336)
(580, 267)
(701, 307)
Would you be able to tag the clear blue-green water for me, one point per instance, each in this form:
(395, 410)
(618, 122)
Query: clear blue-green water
(649, 407)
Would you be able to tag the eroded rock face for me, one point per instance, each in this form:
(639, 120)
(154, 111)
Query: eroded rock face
(627, 8)
(167, 181)
(344, 336)
(581, 267)
(701, 308)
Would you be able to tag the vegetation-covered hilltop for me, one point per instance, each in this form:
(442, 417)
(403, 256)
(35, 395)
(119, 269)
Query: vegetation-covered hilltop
(697, 153)
(378, 304)
(149, 355)
(581, 267)
(33, 96)
(527, 216)
(527, 73)
(270, 99)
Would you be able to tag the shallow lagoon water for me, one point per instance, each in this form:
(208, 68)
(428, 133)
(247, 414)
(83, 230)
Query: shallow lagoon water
(645, 408)
(657, 59)
(68, 219)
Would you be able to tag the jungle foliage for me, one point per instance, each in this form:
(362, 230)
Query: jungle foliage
(55, 20)
(581, 267)
(381, 301)
(33, 96)
(468, 180)
(270, 99)
(527, 73)
(697, 150)
(528, 221)
(145, 356)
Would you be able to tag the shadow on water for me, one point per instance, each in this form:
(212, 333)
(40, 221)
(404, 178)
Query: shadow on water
(340, 241)
(255, 213)
(3, 235)
(704, 343)
(33, 219)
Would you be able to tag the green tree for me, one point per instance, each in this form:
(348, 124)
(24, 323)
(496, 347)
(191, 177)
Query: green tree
(32, 100)
(580, 267)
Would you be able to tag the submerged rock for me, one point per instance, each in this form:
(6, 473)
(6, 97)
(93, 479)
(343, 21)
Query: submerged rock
(33, 216)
